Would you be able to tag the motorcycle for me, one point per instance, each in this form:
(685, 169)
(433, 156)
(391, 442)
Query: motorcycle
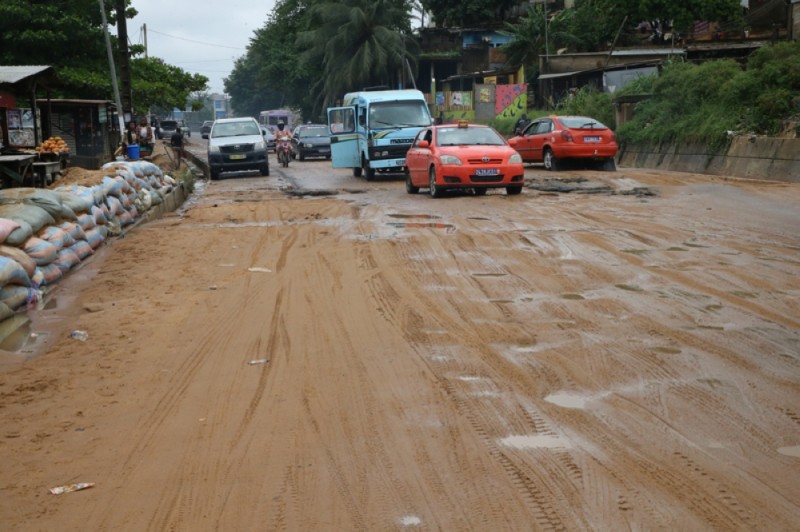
(284, 149)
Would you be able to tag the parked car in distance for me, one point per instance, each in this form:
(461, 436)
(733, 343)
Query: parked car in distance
(269, 134)
(168, 127)
(553, 139)
(237, 144)
(311, 140)
(462, 156)
(205, 129)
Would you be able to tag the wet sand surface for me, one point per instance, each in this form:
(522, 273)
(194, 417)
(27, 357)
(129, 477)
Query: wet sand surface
(309, 351)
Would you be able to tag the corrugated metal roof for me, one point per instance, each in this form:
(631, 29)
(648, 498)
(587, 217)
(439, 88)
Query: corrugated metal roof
(15, 74)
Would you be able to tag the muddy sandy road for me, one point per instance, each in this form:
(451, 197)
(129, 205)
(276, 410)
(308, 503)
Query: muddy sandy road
(373, 361)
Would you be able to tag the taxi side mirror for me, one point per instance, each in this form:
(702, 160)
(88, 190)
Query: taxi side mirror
(423, 144)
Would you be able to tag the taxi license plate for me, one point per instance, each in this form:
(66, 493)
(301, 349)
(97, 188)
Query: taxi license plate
(486, 171)
(238, 156)
(591, 139)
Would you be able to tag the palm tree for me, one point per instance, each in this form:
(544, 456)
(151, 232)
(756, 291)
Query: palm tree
(357, 43)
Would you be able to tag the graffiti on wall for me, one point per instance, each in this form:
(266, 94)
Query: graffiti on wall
(511, 101)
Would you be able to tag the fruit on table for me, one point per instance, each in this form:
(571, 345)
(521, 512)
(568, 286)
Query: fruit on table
(53, 145)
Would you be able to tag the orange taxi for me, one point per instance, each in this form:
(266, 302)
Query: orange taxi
(554, 139)
(462, 156)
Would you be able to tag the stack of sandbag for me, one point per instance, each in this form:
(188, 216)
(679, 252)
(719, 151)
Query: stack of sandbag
(45, 233)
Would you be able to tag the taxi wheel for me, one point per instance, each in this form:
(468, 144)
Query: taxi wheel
(436, 192)
(481, 191)
(410, 188)
(513, 191)
(550, 160)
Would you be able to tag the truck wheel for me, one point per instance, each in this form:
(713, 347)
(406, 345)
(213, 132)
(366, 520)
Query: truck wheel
(214, 174)
(357, 172)
(369, 173)
(265, 170)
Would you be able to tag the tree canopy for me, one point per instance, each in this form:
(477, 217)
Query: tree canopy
(466, 13)
(68, 35)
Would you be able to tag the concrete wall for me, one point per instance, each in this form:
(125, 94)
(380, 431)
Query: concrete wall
(764, 158)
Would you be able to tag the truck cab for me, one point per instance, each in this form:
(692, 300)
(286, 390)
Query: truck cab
(374, 129)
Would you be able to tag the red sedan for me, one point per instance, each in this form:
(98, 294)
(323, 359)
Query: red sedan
(552, 139)
(465, 156)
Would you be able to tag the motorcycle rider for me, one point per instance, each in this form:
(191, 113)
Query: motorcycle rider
(282, 134)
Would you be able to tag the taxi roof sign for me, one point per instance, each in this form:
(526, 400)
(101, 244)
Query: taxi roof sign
(463, 123)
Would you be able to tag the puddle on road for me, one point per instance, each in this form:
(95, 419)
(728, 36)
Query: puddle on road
(422, 225)
(793, 451)
(534, 441)
(421, 216)
(567, 400)
(16, 334)
(410, 520)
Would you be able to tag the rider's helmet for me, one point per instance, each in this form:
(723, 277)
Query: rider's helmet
(280, 125)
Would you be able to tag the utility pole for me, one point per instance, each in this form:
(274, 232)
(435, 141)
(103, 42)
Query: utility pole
(144, 31)
(113, 70)
(124, 62)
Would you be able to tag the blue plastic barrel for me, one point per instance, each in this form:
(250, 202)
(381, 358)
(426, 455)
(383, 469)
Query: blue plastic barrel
(133, 151)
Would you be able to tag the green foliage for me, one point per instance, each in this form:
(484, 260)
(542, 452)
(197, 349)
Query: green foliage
(701, 103)
(588, 101)
(68, 35)
(270, 75)
(358, 43)
(466, 13)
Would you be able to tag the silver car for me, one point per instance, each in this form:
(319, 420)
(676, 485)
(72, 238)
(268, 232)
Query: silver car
(237, 144)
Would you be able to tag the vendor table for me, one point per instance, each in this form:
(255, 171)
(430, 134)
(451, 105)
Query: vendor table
(44, 172)
(15, 167)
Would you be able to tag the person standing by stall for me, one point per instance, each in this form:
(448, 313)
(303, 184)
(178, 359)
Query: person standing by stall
(146, 137)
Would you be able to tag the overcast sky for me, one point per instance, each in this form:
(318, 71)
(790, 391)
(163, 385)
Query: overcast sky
(200, 36)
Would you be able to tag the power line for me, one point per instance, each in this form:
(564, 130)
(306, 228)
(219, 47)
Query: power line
(193, 41)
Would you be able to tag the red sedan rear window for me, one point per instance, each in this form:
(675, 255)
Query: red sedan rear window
(581, 122)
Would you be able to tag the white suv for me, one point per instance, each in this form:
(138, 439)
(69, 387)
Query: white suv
(236, 144)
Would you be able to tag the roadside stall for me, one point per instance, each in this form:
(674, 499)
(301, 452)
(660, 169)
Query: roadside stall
(87, 127)
(20, 127)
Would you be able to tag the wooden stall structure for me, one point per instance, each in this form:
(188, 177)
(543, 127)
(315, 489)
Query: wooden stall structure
(89, 128)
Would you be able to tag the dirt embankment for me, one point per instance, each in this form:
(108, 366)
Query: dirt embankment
(386, 361)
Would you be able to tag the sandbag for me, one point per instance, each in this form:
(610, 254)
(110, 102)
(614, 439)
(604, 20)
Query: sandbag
(6, 227)
(56, 236)
(67, 259)
(24, 260)
(33, 215)
(18, 296)
(41, 251)
(95, 237)
(73, 229)
(86, 221)
(78, 198)
(19, 235)
(5, 313)
(50, 274)
(99, 215)
(49, 200)
(125, 219)
(114, 205)
(82, 249)
(11, 272)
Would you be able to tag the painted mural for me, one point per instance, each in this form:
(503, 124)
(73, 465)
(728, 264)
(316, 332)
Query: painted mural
(510, 101)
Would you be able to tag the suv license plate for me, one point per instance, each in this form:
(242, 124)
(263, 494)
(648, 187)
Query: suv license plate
(238, 156)
(486, 171)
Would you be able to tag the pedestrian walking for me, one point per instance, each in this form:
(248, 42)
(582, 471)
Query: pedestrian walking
(177, 141)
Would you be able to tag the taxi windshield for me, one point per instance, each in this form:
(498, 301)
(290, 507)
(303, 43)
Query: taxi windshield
(468, 136)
